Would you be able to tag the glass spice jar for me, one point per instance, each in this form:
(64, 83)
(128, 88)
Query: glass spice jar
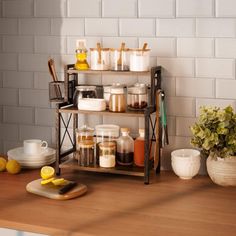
(86, 155)
(137, 97)
(107, 154)
(117, 101)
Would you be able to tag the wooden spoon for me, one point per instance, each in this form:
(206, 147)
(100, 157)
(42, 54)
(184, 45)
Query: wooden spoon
(99, 53)
(122, 48)
(144, 47)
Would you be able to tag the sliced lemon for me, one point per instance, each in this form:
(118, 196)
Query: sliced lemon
(60, 181)
(46, 181)
(47, 172)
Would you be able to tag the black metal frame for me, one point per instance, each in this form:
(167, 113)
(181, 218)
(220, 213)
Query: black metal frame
(155, 86)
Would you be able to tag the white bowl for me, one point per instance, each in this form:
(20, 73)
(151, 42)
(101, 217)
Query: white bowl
(185, 162)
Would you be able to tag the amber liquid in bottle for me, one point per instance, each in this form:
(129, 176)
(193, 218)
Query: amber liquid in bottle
(139, 143)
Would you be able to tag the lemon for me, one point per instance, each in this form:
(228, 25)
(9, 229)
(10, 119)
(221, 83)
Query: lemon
(47, 172)
(13, 167)
(60, 181)
(3, 163)
(46, 181)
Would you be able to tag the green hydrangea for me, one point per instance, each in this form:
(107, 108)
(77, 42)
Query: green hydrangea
(215, 131)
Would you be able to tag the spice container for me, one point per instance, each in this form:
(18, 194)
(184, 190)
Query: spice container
(106, 133)
(107, 154)
(85, 154)
(81, 56)
(140, 59)
(100, 58)
(120, 58)
(137, 97)
(84, 92)
(125, 148)
(84, 133)
(117, 101)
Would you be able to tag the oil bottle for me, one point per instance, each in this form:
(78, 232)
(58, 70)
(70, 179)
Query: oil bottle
(81, 56)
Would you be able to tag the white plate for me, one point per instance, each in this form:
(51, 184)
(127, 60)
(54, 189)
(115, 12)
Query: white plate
(35, 166)
(19, 155)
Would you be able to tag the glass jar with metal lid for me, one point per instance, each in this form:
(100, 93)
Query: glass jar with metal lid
(117, 101)
(84, 91)
(137, 96)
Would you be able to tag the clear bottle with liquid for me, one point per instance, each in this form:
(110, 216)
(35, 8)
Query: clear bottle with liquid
(125, 148)
(81, 56)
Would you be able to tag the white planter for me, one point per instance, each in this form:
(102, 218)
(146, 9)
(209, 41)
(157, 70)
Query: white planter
(185, 163)
(222, 171)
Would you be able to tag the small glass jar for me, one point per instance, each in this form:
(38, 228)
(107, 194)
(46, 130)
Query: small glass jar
(119, 59)
(117, 101)
(137, 97)
(84, 92)
(100, 59)
(107, 154)
(106, 133)
(84, 133)
(125, 148)
(139, 59)
(85, 154)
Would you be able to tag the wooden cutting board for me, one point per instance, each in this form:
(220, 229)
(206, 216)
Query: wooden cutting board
(51, 191)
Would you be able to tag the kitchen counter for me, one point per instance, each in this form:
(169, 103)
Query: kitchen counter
(121, 205)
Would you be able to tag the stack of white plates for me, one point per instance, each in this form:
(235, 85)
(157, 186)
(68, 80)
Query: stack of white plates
(47, 157)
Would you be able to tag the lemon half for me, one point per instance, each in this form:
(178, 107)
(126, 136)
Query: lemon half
(47, 172)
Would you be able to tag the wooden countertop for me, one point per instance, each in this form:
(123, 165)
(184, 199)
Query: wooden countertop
(121, 205)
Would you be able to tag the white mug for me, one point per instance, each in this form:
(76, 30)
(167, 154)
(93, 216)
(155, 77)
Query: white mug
(34, 146)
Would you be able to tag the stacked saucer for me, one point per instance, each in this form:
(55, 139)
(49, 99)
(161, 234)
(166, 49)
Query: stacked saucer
(31, 161)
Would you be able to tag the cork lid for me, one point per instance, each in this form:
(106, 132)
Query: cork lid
(86, 144)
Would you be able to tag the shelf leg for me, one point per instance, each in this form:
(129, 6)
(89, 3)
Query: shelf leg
(58, 138)
(146, 148)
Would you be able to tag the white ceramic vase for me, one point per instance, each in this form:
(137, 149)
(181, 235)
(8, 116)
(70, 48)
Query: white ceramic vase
(222, 171)
(185, 163)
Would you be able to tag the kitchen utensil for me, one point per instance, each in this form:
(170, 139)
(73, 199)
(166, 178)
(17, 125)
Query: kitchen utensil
(52, 191)
(67, 187)
(52, 70)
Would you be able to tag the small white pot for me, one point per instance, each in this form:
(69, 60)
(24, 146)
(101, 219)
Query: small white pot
(185, 162)
(222, 171)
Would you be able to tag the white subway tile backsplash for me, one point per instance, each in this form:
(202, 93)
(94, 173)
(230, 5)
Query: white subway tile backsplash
(8, 96)
(17, 79)
(41, 80)
(115, 42)
(18, 44)
(175, 27)
(114, 8)
(213, 27)
(177, 66)
(160, 47)
(225, 89)
(195, 8)
(34, 26)
(45, 117)
(8, 26)
(225, 8)
(50, 8)
(101, 27)
(67, 26)
(81, 8)
(137, 27)
(168, 85)
(217, 68)
(195, 87)
(195, 47)
(18, 8)
(8, 61)
(33, 62)
(156, 8)
(30, 97)
(183, 125)
(50, 44)
(9, 132)
(171, 125)
(35, 132)
(18, 115)
(222, 103)
(179, 106)
(225, 47)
